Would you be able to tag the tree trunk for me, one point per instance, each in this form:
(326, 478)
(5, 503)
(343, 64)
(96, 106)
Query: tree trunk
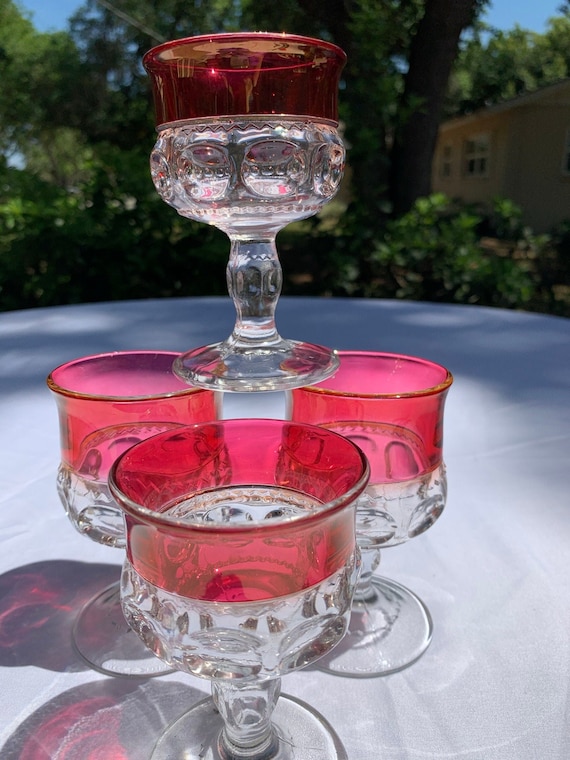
(432, 53)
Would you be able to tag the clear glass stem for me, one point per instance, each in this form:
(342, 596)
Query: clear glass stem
(254, 278)
(370, 558)
(246, 710)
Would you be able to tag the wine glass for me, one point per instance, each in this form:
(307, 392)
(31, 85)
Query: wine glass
(106, 403)
(241, 564)
(392, 406)
(248, 142)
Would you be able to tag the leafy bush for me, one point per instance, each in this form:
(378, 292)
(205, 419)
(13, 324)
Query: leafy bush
(103, 243)
(435, 253)
(115, 239)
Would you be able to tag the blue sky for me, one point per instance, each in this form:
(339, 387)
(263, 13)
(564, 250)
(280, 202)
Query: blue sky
(49, 15)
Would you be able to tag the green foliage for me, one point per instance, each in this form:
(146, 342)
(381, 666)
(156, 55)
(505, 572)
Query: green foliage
(114, 240)
(40, 74)
(434, 253)
(494, 66)
(553, 266)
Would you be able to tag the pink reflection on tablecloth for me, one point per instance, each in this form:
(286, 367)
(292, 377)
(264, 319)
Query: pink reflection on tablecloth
(38, 606)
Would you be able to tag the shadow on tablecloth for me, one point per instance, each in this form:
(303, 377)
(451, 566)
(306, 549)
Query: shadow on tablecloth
(38, 606)
(112, 719)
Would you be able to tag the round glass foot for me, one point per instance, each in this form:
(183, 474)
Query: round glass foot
(303, 735)
(103, 639)
(278, 366)
(386, 634)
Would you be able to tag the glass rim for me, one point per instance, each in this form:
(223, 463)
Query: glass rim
(61, 390)
(431, 390)
(160, 520)
(152, 56)
(239, 119)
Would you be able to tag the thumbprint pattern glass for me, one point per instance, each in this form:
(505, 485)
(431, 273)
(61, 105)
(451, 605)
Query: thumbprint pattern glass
(106, 403)
(392, 406)
(241, 565)
(248, 141)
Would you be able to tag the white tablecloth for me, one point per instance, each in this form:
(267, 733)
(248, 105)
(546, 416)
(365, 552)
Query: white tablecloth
(494, 570)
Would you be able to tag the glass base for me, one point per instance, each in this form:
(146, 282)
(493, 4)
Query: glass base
(281, 366)
(104, 641)
(303, 735)
(386, 634)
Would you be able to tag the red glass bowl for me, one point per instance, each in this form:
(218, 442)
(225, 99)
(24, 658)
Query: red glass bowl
(254, 73)
(400, 398)
(253, 557)
(106, 402)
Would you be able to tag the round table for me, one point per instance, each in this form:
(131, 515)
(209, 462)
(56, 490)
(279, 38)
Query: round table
(494, 571)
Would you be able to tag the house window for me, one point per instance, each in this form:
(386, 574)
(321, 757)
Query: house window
(446, 165)
(476, 156)
(566, 159)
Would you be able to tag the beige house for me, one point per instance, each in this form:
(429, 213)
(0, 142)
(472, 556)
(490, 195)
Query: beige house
(519, 150)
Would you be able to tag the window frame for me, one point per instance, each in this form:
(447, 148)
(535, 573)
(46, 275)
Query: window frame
(478, 156)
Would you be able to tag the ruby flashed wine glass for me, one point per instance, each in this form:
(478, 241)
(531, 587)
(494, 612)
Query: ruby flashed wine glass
(241, 564)
(248, 142)
(106, 403)
(392, 406)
